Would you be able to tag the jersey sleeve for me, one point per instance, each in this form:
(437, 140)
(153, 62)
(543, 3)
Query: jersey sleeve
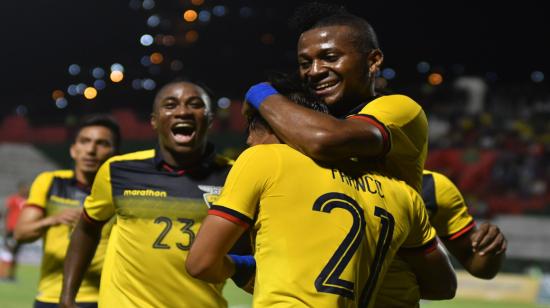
(404, 126)
(452, 217)
(98, 206)
(249, 179)
(400, 118)
(421, 232)
(38, 194)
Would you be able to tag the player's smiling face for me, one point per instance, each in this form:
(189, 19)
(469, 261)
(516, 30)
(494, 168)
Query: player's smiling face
(181, 117)
(331, 64)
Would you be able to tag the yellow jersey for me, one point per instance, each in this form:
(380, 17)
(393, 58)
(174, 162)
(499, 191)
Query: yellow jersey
(53, 192)
(449, 217)
(323, 238)
(158, 211)
(404, 127)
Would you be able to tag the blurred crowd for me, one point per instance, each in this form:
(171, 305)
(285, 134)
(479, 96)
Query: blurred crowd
(493, 141)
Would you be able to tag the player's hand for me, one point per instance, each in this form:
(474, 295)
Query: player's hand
(66, 217)
(488, 239)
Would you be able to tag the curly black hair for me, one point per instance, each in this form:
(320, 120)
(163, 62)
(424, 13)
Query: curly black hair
(318, 14)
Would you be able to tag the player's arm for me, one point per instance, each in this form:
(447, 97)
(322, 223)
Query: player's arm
(434, 273)
(208, 260)
(318, 135)
(480, 250)
(84, 241)
(33, 223)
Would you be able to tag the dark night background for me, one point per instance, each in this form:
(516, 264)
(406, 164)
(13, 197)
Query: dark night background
(40, 39)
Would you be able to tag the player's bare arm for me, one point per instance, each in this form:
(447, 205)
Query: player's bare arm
(434, 272)
(481, 250)
(84, 241)
(32, 223)
(207, 259)
(320, 136)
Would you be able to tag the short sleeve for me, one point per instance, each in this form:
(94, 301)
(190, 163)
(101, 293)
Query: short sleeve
(38, 193)
(404, 123)
(99, 206)
(421, 232)
(250, 177)
(452, 214)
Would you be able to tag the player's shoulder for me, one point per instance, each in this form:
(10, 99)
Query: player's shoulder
(399, 99)
(269, 155)
(265, 149)
(439, 179)
(138, 155)
(62, 173)
(395, 103)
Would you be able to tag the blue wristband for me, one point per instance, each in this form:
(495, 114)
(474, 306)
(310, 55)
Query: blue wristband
(258, 93)
(245, 269)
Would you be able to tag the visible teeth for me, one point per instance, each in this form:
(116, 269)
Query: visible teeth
(324, 85)
(184, 125)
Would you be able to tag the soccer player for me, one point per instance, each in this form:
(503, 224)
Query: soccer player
(55, 203)
(8, 257)
(339, 57)
(159, 198)
(480, 250)
(323, 237)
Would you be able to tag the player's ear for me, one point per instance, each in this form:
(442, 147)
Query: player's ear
(153, 121)
(374, 60)
(72, 150)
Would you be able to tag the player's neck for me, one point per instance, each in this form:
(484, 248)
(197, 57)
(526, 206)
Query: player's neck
(183, 160)
(84, 178)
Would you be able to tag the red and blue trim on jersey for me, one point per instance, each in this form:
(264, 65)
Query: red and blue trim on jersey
(231, 215)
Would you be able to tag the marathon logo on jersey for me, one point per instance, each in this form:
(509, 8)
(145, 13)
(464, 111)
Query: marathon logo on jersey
(145, 193)
(211, 195)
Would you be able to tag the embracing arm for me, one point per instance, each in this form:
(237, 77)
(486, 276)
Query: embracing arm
(318, 135)
(434, 272)
(33, 222)
(84, 241)
(481, 250)
(207, 260)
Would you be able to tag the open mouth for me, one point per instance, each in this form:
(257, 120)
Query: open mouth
(183, 132)
(325, 88)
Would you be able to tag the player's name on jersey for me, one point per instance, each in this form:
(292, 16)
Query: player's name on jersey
(364, 183)
(145, 193)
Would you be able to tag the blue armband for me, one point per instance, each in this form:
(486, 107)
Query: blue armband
(245, 269)
(258, 93)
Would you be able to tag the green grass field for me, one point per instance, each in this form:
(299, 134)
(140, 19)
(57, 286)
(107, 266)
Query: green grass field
(20, 294)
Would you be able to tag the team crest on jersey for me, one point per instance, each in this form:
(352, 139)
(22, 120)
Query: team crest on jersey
(211, 194)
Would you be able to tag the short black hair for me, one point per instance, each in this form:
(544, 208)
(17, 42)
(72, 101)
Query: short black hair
(99, 120)
(291, 86)
(317, 14)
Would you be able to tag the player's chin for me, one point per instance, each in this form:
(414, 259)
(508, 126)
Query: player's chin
(89, 168)
(332, 98)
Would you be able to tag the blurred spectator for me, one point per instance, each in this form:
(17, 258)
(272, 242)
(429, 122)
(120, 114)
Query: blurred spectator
(8, 255)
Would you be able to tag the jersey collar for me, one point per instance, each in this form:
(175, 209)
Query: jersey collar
(206, 162)
(358, 108)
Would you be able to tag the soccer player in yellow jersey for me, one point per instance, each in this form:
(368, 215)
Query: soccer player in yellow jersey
(339, 57)
(159, 198)
(55, 203)
(323, 237)
(456, 228)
